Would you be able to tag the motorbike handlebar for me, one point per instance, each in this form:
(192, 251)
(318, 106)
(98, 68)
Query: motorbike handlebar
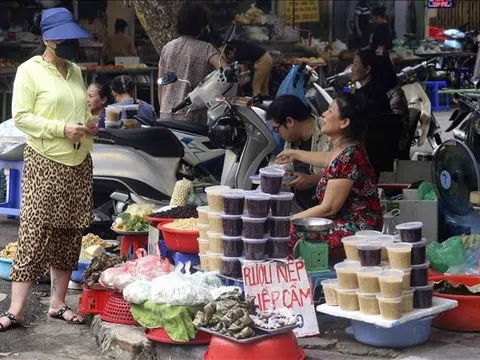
(180, 106)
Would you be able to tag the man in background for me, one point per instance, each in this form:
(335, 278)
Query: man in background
(382, 38)
(362, 24)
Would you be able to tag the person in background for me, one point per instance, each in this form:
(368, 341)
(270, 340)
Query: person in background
(382, 38)
(294, 122)
(190, 59)
(399, 105)
(119, 44)
(347, 191)
(261, 60)
(362, 23)
(99, 96)
(49, 105)
(123, 88)
(367, 71)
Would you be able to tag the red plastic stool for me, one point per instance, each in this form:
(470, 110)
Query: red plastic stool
(135, 241)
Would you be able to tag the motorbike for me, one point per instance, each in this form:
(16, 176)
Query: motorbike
(428, 128)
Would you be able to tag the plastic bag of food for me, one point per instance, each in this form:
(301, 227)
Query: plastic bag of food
(137, 292)
(449, 253)
(108, 276)
(181, 192)
(149, 267)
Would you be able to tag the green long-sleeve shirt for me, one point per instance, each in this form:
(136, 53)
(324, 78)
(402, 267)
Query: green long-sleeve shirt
(44, 102)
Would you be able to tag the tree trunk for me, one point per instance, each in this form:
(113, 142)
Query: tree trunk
(158, 18)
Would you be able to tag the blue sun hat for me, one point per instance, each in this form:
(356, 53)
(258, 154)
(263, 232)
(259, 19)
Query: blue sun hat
(59, 24)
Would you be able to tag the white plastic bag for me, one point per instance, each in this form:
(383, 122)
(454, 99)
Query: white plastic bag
(184, 289)
(137, 292)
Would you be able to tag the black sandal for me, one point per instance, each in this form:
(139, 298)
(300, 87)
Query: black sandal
(13, 321)
(59, 315)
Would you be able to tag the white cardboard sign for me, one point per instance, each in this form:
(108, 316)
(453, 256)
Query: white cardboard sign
(278, 285)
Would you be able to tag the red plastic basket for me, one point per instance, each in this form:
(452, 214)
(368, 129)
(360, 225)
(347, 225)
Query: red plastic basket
(180, 240)
(436, 33)
(161, 336)
(93, 301)
(117, 311)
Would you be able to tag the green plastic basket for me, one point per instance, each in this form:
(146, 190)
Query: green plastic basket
(314, 254)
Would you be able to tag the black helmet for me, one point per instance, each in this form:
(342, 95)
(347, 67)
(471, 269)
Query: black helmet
(227, 131)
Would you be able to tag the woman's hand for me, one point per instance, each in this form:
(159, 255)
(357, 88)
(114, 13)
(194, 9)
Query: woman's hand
(287, 156)
(92, 129)
(75, 132)
(304, 181)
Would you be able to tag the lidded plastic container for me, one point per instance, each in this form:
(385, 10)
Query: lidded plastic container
(234, 202)
(254, 249)
(232, 225)
(214, 197)
(281, 204)
(347, 274)
(253, 228)
(350, 246)
(258, 204)
(279, 226)
(410, 232)
(232, 246)
(271, 180)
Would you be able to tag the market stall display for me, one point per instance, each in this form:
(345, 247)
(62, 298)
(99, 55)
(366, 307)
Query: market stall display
(393, 293)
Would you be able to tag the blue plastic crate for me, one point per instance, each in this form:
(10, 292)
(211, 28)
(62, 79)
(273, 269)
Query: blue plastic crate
(412, 333)
(77, 275)
(178, 257)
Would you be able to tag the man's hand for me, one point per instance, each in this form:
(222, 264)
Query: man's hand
(303, 181)
(75, 132)
(287, 156)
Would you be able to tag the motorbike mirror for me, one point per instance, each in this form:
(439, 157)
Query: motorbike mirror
(167, 78)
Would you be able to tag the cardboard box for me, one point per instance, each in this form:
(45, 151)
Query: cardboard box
(408, 172)
(416, 210)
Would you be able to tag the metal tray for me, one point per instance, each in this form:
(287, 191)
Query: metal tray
(120, 232)
(239, 341)
(312, 224)
(278, 331)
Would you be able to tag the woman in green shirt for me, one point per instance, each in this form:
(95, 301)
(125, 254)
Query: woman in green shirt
(49, 105)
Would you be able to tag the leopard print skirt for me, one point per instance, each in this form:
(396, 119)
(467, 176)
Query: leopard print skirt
(57, 203)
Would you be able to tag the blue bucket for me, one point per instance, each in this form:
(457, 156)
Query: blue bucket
(5, 266)
(77, 275)
(412, 333)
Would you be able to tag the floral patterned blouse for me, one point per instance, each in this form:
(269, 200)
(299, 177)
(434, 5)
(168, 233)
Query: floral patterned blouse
(361, 210)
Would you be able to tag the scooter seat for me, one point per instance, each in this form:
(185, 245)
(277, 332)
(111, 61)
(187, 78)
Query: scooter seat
(155, 141)
(15, 154)
(186, 126)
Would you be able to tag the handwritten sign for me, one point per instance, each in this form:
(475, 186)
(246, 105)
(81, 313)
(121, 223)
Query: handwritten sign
(278, 285)
(305, 11)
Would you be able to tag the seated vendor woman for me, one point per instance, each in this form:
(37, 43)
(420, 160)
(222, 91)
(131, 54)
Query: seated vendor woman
(347, 191)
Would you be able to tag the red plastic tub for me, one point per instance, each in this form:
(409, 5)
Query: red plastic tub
(161, 336)
(465, 317)
(180, 240)
(154, 221)
(280, 347)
